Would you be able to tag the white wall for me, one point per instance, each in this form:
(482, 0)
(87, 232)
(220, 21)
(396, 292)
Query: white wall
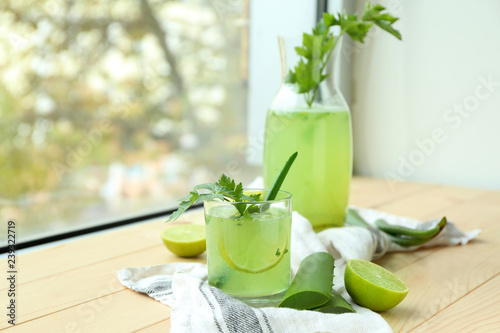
(423, 108)
(268, 20)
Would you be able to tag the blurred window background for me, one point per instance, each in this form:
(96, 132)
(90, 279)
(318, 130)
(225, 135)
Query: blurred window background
(112, 109)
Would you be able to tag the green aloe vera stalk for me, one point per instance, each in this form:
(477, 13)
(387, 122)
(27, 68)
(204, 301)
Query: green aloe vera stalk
(397, 230)
(337, 304)
(281, 177)
(398, 234)
(353, 218)
(312, 286)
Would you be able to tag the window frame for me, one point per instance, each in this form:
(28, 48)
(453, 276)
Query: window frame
(261, 91)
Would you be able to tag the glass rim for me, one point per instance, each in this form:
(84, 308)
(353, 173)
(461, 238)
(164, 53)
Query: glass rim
(288, 197)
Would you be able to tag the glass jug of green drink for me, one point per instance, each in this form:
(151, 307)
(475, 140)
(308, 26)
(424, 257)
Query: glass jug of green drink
(321, 132)
(310, 115)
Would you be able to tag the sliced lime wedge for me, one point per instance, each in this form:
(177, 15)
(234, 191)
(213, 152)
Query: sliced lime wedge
(373, 286)
(185, 240)
(242, 260)
(252, 245)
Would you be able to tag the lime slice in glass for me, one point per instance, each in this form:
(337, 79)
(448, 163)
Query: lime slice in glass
(248, 262)
(373, 286)
(252, 245)
(185, 240)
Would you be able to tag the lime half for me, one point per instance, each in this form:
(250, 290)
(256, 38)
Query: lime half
(185, 240)
(373, 286)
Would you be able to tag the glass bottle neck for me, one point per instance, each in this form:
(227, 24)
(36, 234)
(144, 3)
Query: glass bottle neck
(321, 95)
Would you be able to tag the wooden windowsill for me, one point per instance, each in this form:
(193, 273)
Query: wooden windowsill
(73, 287)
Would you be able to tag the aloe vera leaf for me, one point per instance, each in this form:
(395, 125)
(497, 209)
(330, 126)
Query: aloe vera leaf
(281, 177)
(353, 218)
(397, 230)
(408, 240)
(442, 224)
(337, 304)
(312, 285)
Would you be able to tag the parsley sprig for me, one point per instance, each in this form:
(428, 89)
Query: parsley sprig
(318, 47)
(226, 189)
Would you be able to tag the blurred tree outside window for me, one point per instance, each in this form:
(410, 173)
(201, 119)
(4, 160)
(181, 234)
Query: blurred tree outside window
(115, 108)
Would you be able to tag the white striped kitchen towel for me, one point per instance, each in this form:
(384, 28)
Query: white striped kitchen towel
(200, 308)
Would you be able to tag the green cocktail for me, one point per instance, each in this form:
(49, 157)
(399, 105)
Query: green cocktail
(249, 255)
(320, 178)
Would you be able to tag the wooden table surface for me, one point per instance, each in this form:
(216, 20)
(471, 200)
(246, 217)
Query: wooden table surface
(73, 287)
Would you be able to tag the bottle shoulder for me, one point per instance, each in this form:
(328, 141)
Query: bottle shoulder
(288, 99)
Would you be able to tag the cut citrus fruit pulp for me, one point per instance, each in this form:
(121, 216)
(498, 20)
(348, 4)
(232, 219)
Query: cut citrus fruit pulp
(185, 240)
(253, 244)
(247, 262)
(373, 286)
